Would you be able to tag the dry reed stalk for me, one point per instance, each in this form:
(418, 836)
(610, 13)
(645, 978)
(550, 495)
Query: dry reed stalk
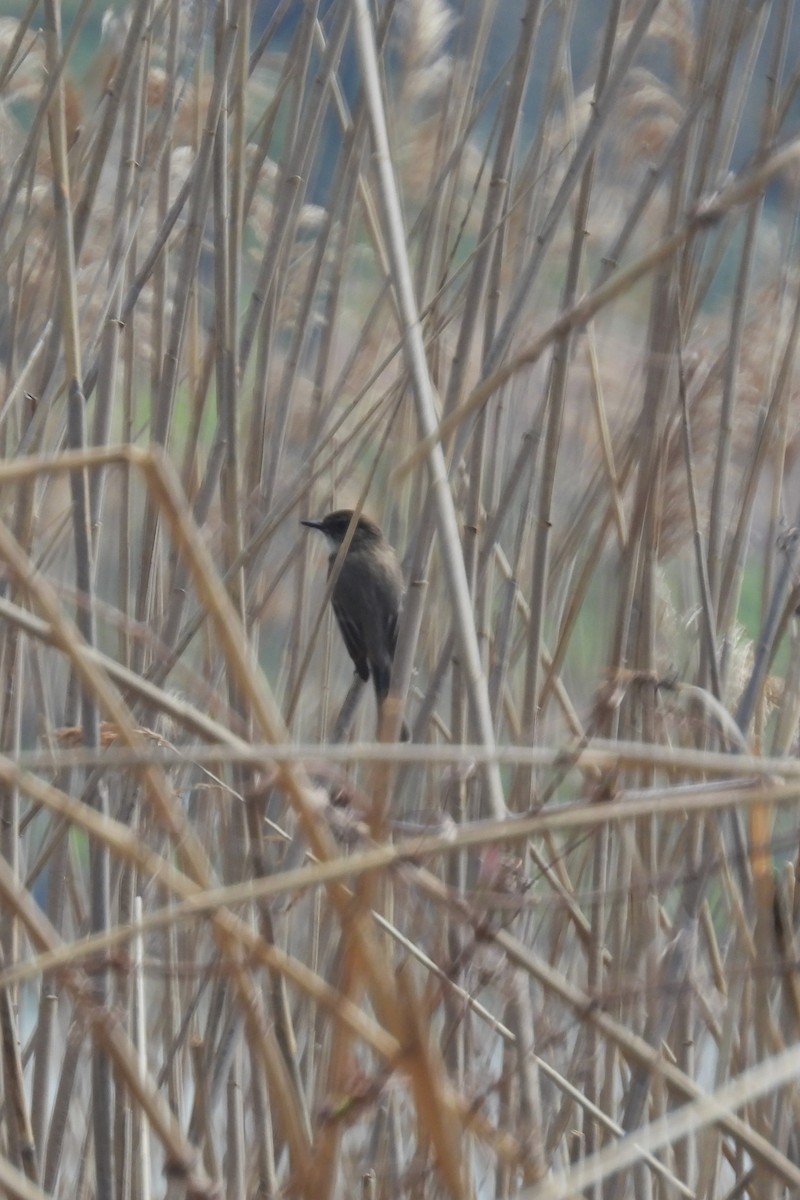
(556, 393)
(199, 901)
(234, 283)
(447, 527)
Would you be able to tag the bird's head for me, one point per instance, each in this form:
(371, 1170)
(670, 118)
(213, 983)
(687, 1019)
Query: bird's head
(336, 524)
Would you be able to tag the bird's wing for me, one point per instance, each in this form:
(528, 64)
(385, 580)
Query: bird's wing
(350, 626)
(385, 601)
(392, 621)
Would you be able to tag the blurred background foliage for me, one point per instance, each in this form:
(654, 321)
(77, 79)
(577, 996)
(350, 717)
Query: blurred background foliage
(205, 335)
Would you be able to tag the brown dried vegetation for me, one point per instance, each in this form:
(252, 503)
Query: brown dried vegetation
(245, 942)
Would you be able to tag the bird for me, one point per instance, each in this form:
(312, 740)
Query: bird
(367, 597)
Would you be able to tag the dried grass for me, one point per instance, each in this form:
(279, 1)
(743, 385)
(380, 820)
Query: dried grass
(549, 947)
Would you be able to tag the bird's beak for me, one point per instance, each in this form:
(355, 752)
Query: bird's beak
(312, 524)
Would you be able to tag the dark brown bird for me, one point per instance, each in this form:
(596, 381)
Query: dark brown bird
(366, 597)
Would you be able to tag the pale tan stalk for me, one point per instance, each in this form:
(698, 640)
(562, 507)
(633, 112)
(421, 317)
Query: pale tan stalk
(446, 521)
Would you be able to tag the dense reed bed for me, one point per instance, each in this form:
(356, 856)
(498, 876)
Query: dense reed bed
(521, 282)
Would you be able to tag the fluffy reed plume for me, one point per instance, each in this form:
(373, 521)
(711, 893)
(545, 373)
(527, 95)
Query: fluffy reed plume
(674, 27)
(651, 114)
(424, 76)
(425, 67)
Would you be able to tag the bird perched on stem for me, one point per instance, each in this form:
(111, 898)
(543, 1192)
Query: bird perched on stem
(366, 597)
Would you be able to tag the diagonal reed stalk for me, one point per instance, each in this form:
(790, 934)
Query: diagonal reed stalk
(521, 281)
